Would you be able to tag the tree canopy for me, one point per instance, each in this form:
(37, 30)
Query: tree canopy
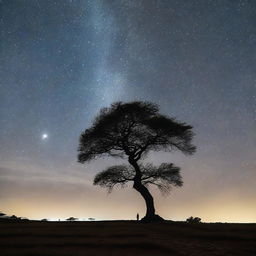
(164, 176)
(133, 129)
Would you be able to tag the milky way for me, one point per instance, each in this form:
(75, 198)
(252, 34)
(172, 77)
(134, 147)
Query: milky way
(61, 61)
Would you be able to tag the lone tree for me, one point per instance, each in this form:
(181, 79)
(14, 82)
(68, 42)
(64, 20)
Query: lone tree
(131, 130)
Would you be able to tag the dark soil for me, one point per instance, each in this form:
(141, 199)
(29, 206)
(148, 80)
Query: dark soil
(126, 238)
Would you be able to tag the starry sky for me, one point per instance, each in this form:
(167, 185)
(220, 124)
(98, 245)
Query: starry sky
(62, 61)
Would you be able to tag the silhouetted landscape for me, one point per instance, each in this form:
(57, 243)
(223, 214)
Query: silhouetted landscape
(126, 238)
(153, 100)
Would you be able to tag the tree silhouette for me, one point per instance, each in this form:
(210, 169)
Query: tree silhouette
(71, 219)
(131, 130)
(2, 214)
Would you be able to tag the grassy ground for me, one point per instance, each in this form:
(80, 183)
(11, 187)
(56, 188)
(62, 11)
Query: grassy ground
(126, 238)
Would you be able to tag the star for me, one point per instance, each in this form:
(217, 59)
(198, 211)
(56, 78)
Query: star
(44, 136)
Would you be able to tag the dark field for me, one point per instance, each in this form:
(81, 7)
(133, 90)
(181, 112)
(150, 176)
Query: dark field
(126, 238)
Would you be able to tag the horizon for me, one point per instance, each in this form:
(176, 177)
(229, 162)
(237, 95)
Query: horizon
(82, 219)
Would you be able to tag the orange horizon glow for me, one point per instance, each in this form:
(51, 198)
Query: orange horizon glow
(101, 208)
(59, 196)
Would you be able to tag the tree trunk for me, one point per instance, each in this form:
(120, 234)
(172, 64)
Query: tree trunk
(147, 197)
(150, 213)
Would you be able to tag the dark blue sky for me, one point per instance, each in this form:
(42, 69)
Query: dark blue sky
(61, 61)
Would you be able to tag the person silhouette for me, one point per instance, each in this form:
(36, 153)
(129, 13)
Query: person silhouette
(138, 217)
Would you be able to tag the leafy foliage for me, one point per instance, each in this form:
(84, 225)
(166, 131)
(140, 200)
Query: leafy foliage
(164, 177)
(114, 175)
(133, 129)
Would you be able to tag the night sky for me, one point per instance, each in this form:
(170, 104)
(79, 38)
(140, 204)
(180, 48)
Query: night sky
(61, 61)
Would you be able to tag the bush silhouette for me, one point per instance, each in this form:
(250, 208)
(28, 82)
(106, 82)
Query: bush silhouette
(71, 219)
(193, 220)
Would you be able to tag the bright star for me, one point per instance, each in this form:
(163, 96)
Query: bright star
(44, 136)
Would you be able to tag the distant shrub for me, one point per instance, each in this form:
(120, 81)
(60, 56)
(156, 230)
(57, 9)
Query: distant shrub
(193, 220)
(91, 219)
(71, 219)
(44, 220)
(14, 217)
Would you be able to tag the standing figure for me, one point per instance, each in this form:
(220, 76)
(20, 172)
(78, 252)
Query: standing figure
(138, 217)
